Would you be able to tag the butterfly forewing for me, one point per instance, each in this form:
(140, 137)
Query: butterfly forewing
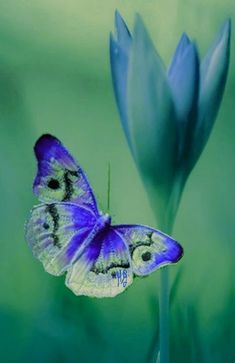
(59, 177)
(104, 269)
(56, 234)
(149, 248)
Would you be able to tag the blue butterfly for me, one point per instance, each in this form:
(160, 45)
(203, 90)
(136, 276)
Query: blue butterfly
(68, 233)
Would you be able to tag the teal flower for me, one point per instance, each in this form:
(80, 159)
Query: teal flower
(167, 114)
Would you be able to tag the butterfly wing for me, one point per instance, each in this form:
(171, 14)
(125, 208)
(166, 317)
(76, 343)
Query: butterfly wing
(59, 177)
(57, 233)
(149, 248)
(104, 269)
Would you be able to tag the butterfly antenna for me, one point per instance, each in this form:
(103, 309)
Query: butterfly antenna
(109, 186)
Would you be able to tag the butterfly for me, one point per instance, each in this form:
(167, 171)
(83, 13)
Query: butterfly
(69, 234)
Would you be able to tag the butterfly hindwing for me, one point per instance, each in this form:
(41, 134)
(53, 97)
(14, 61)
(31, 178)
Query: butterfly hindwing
(56, 234)
(149, 248)
(104, 269)
(59, 177)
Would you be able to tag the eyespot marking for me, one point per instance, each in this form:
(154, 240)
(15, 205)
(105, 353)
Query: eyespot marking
(53, 184)
(146, 256)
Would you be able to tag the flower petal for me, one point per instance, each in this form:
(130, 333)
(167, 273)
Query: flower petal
(213, 75)
(152, 123)
(119, 68)
(184, 82)
(180, 49)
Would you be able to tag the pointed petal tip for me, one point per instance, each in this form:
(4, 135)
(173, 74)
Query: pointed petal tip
(183, 77)
(185, 38)
(225, 31)
(117, 13)
(118, 18)
(138, 22)
(213, 76)
(140, 30)
(138, 17)
(227, 25)
(219, 46)
(120, 23)
(228, 28)
(180, 50)
(122, 31)
(143, 47)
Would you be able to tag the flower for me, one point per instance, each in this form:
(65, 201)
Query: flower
(167, 114)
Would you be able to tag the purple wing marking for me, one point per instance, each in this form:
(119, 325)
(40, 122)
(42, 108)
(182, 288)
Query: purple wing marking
(104, 269)
(149, 248)
(58, 233)
(59, 177)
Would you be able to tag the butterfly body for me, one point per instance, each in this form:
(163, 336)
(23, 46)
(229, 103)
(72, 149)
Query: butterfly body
(103, 221)
(68, 233)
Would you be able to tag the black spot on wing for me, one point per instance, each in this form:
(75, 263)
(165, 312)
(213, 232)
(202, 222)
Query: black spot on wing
(46, 225)
(146, 256)
(53, 184)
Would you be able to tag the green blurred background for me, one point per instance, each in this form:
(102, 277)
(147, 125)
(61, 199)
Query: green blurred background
(55, 77)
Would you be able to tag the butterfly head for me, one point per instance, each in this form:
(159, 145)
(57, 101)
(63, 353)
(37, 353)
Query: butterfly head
(104, 220)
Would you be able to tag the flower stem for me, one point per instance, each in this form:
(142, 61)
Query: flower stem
(164, 296)
(164, 303)
(164, 315)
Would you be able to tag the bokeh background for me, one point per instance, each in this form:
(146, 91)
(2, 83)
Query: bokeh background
(55, 77)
